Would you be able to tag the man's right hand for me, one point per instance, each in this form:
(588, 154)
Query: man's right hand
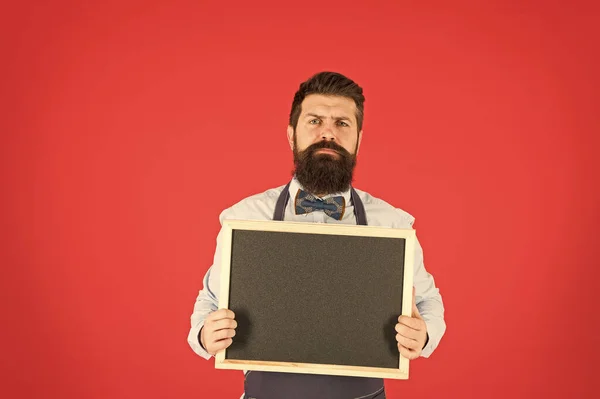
(218, 331)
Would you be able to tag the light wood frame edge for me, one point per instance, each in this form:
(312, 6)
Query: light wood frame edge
(227, 233)
(312, 368)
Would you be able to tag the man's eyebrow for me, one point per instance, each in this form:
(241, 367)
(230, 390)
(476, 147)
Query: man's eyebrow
(337, 118)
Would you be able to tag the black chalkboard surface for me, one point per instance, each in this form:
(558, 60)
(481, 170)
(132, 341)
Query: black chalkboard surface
(316, 298)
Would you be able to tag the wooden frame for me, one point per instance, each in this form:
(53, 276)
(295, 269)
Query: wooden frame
(311, 228)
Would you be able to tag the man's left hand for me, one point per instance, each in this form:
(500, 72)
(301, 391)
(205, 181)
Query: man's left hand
(411, 333)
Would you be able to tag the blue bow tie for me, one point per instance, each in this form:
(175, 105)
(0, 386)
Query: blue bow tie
(333, 206)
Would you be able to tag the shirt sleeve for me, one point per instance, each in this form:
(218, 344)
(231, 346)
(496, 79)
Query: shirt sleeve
(207, 300)
(429, 302)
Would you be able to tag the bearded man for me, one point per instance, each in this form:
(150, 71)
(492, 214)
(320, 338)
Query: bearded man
(324, 133)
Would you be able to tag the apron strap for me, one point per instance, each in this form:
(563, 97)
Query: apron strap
(359, 209)
(281, 203)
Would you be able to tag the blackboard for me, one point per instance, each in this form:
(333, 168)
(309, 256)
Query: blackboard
(316, 298)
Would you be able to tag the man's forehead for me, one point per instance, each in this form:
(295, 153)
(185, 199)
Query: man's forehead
(318, 103)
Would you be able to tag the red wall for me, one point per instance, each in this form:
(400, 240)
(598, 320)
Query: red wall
(127, 128)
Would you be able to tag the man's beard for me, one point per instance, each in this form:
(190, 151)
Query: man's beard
(322, 174)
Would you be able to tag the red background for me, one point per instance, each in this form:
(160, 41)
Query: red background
(128, 127)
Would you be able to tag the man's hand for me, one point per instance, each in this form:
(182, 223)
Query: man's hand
(412, 333)
(218, 331)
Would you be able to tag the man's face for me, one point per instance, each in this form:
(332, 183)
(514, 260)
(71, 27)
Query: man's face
(325, 144)
(326, 118)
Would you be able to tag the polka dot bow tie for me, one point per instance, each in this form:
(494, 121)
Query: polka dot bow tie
(333, 206)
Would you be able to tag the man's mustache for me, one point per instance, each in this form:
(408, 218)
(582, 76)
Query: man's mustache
(310, 150)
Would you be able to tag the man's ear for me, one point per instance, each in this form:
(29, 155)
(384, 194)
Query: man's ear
(358, 142)
(290, 136)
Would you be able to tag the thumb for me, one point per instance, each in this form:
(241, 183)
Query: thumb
(415, 310)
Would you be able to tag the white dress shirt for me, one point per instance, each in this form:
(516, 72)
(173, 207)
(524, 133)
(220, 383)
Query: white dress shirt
(378, 212)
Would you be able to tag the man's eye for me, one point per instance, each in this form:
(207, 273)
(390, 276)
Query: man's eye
(313, 121)
(342, 123)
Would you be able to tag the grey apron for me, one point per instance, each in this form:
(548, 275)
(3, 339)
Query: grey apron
(270, 385)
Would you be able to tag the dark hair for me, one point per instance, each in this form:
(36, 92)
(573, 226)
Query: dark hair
(330, 84)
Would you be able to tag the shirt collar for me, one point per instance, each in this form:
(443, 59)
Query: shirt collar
(295, 186)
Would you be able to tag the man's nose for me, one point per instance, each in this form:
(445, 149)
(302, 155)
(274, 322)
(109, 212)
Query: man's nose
(327, 133)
